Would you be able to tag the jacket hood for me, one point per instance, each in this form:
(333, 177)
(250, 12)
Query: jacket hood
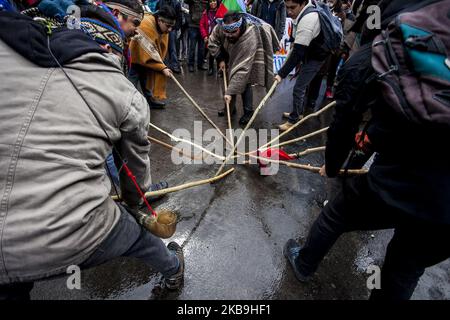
(29, 38)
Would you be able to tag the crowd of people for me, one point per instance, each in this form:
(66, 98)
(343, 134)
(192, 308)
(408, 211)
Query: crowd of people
(111, 65)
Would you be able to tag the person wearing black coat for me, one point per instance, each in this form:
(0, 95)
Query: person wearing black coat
(405, 189)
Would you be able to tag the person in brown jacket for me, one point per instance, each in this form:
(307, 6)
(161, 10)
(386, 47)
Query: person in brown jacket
(148, 50)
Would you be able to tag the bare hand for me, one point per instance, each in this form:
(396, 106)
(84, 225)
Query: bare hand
(222, 65)
(278, 78)
(322, 171)
(227, 98)
(167, 72)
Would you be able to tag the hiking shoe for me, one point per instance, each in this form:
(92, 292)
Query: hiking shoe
(285, 126)
(155, 187)
(175, 281)
(291, 251)
(245, 118)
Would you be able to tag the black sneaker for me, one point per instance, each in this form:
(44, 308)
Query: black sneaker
(245, 118)
(291, 251)
(175, 281)
(202, 67)
(155, 187)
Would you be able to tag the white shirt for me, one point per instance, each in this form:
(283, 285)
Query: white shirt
(308, 28)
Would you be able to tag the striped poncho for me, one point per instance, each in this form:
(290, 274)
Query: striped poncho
(251, 57)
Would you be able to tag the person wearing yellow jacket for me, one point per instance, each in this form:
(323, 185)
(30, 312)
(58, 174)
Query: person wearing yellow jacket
(148, 50)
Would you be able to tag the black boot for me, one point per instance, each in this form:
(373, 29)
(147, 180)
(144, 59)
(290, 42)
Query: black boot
(155, 104)
(245, 118)
(223, 112)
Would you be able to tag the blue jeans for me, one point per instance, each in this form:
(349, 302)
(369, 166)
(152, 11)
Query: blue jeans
(172, 60)
(129, 239)
(112, 169)
(195, 41)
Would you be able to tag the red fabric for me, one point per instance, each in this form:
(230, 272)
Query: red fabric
(362, 143)
(273, 154)
(133, 178)
(204, 25)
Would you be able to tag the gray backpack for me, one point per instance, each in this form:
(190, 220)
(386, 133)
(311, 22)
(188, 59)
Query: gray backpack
(412, 63)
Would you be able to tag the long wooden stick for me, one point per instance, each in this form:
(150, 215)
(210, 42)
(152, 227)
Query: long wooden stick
(199, 109)
(315, 114)
(171, 147)
(183, 186)
(230, 128)
(261, 104)
(306, 166)
(309, 135)
(187, 141)
(293, 155)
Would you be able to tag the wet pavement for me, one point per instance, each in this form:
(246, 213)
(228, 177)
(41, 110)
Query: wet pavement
(233, 231)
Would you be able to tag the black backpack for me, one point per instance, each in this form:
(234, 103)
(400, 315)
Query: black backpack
(330, 26)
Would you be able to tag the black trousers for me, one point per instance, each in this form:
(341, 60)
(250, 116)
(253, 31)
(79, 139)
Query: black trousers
(416, 244)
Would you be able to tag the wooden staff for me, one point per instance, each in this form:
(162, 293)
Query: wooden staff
(183, 186)
(307, 151)
(228, 108)
(187, 141)
(293, 155)
(261, 104)
(171, 147)
(306, 166)
(315, 114)
(199, 109)
(309, 135)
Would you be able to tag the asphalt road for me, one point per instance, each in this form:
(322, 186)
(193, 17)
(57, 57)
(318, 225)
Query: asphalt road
(233, 231)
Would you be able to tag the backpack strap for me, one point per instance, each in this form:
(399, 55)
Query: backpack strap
(306, 11)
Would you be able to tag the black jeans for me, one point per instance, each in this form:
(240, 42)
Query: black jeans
(308, 71)
(416, 244)
(247, 100)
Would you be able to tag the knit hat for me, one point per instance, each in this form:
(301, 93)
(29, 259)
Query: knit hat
(102, 26)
